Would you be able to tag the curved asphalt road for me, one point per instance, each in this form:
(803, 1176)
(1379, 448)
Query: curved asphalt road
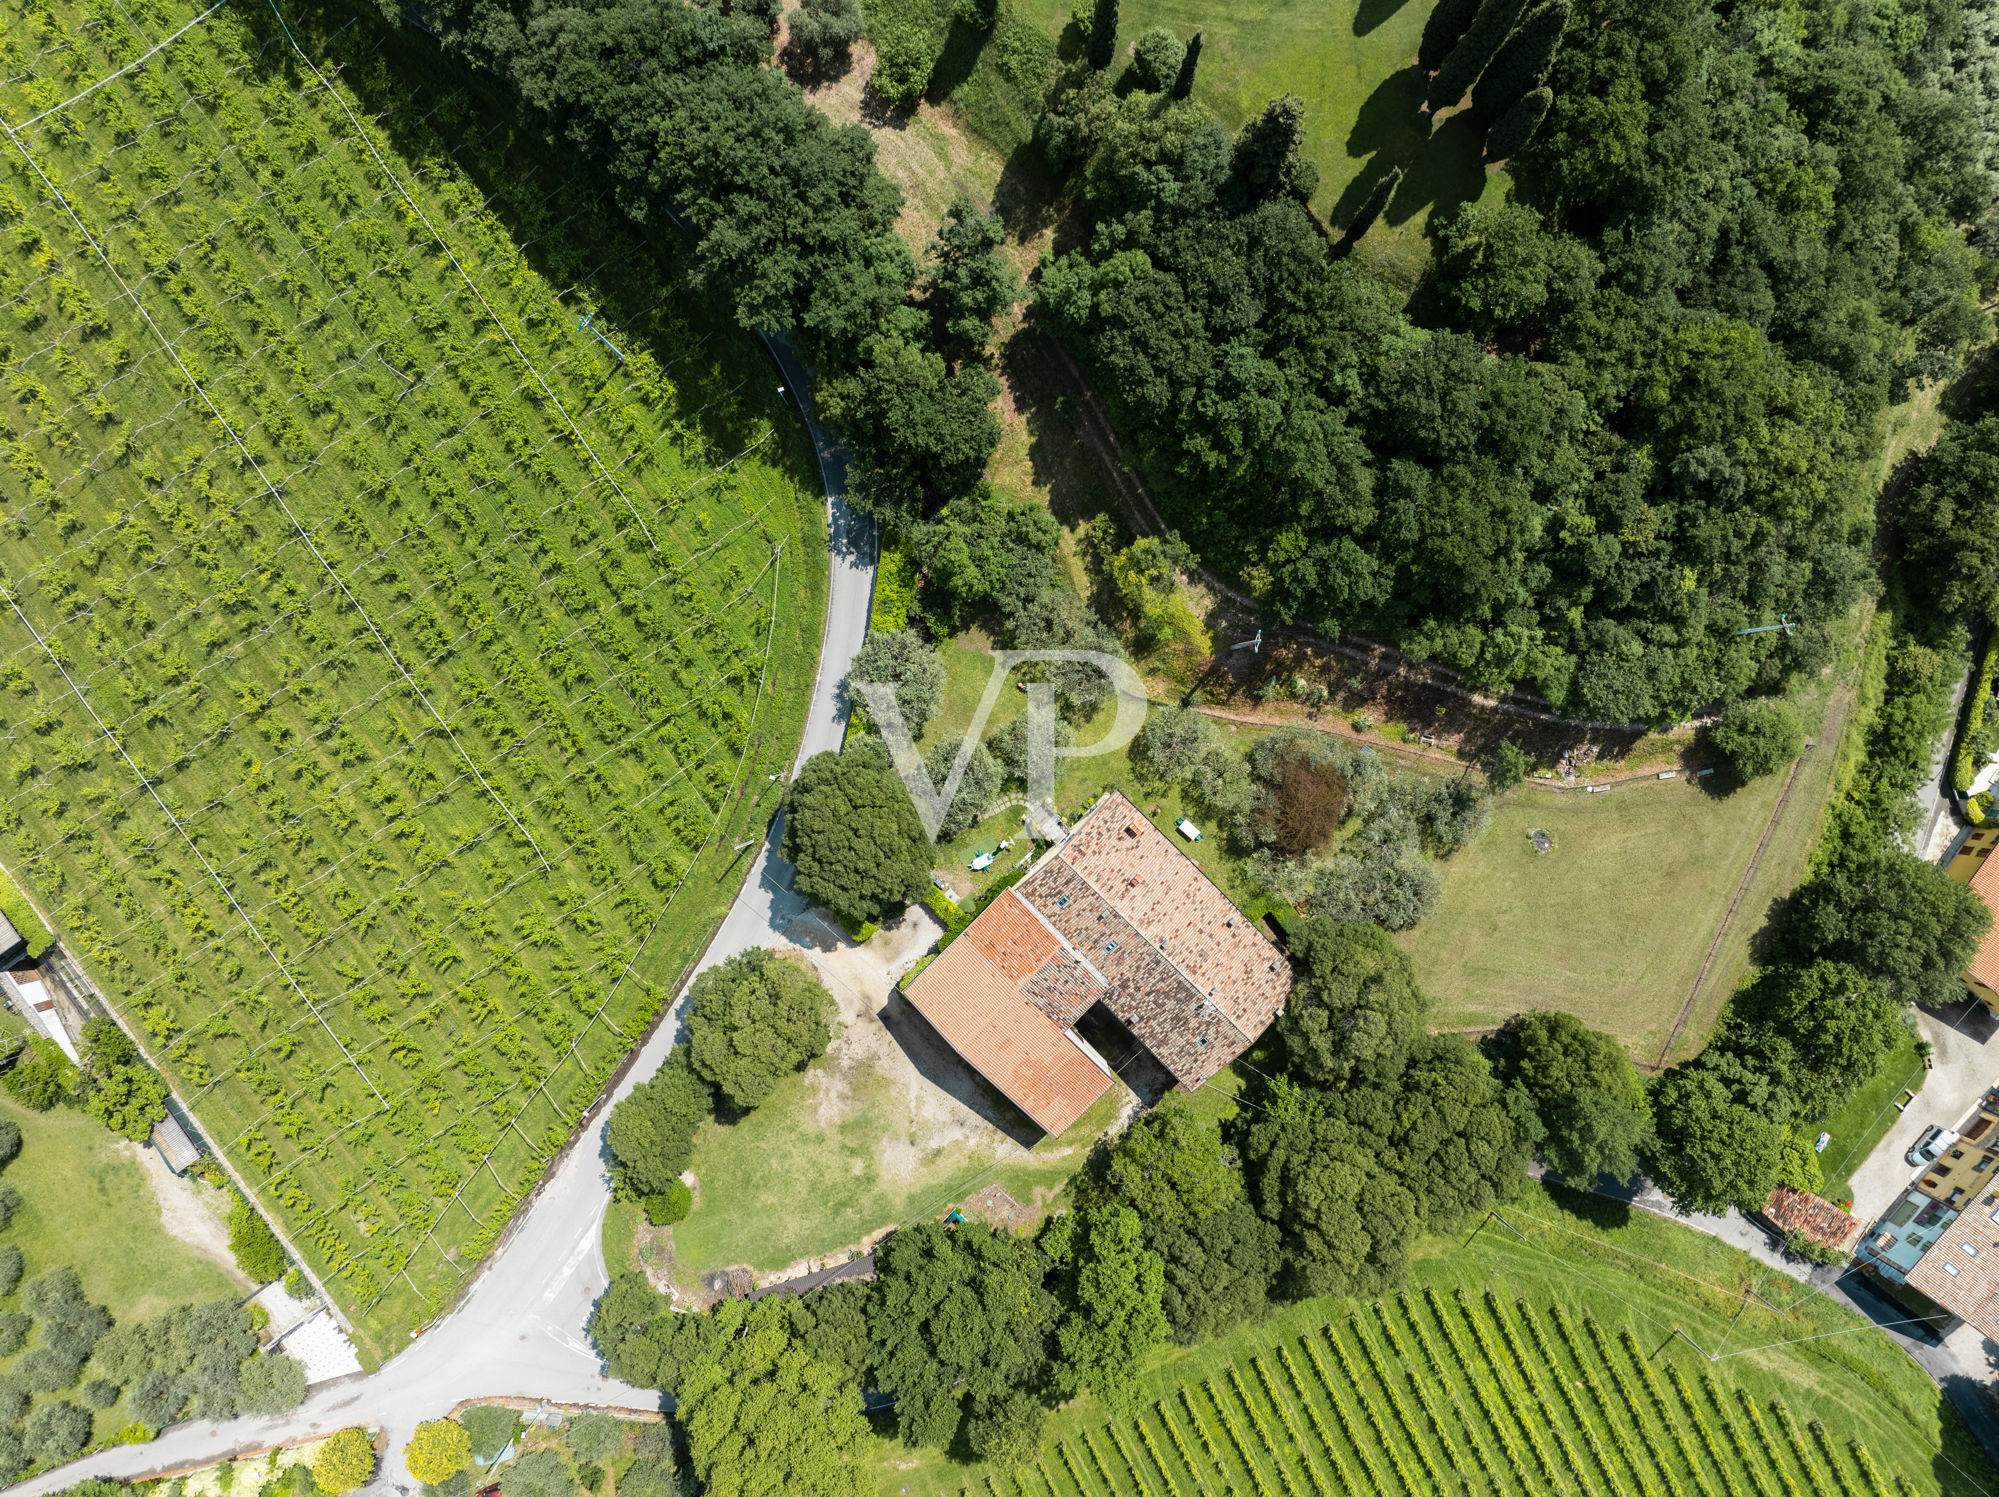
(520, 1331)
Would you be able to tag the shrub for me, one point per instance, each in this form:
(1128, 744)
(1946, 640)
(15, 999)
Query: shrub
(853, 835)
(651, 1133)
(10, 1202)
(56, 1432)
(1964, 754)
(905, 54)
(491, 1428)
(979, 788)
(270, 1383)
(1812, 1251)
(594, 1437)
(10, 1141)
(901, 658)
(43, 1077)
(297, 1285)
(344, 1462)
(1759, 735)
(14, 1400)
(539, 1473)
(128, 1100)
(258, 1251)
(1155, 62)
(670, 1205)
(100, 1393)
(824, 30)
(10, 1269)
(440, 1448)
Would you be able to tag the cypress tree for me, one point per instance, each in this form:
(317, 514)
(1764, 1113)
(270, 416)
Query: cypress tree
(1266, 160)
(1184, 84)
(1370, 210)
(1103, 34)
(1443, 31)
(1523, 62)
(1517, 126)
(1460, 70)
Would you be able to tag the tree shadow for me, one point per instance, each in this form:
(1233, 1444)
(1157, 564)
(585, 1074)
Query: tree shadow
(962, 45)
(1441, 166)
(1373, 13)
(932, 1057)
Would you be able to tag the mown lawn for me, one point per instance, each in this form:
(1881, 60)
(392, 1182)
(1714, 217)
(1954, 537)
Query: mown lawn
(85, 1203)
(388, 663)
(1868, 1115)
(1614, 924)
(1540, 1358)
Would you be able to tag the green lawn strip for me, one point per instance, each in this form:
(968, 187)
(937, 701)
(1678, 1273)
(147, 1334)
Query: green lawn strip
(1867, 1116)
(395, 1219)
(1747, 1456)
(1662, 1409)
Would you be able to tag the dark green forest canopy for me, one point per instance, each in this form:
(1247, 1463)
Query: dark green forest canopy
(1628, 412)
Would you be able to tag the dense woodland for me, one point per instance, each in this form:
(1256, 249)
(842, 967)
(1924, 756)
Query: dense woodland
(1628, 413)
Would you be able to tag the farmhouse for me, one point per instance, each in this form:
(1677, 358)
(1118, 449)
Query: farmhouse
(1116, 919)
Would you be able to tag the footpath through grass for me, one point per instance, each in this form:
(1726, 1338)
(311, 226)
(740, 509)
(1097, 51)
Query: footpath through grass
(387, 661)
(1537, 1359)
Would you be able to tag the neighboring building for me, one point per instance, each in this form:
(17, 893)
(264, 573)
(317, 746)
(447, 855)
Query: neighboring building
(1114, 915)
(1966, 1167)
(1961, 1269)
(12, 946)
(174, 1146)
(1796, 1211)
(36, 1001)
(1971, 862)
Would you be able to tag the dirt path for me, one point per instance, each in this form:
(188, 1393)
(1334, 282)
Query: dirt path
(1728, 916)
(186, 1210)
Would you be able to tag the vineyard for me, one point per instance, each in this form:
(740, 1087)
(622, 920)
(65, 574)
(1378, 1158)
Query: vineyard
(411, 587)
(1428, 1393)
(1548, 1366)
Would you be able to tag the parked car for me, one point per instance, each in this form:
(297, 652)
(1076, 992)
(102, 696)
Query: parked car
(1935, 1139)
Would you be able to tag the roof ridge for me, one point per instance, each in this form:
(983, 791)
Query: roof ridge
(1181, 972)
(1049, 925)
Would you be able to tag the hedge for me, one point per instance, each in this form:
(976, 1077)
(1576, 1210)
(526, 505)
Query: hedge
(1976, 695)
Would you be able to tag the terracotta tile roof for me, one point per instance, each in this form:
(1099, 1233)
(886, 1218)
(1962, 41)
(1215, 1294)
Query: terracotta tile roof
(1961, 1272)
(1164, 894)
(1797, 1211)
(986, 1018)
(1012, 939)
(1985, 965)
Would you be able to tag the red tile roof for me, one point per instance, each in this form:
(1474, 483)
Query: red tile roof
(1797, 1211)
(1012, 939)
(983, 1015)
(1985, 964)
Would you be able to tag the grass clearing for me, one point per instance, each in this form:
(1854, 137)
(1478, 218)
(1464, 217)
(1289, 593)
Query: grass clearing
(1868, 1115)
(86, 1203)
(390, 661)
(1511, 1365)
(1614, 924)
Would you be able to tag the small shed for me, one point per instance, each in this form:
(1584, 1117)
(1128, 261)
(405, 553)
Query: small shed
(12, 946)
(174, 1145)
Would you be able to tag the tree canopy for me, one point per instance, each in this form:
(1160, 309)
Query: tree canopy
(651, 1131)
(1760, 736)
(762, 1414)
(754, 1020)
(853, 835)
(902, 658)
(1576, 1091)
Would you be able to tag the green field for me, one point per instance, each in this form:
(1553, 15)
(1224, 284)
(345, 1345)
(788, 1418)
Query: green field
(1615, 923)
(383, 654)
(1868, 1115)
(1546, 1361)
(87, 1204)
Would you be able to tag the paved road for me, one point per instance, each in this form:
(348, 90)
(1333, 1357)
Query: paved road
(520, 1331)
